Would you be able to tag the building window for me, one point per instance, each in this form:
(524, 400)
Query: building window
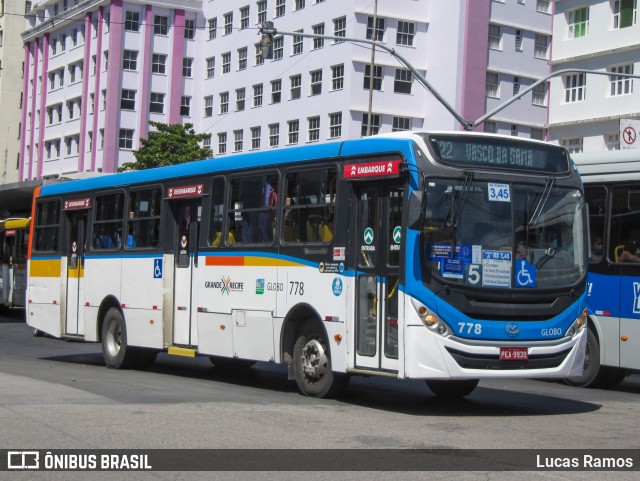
(208, 106)
(213, 28)
(237, 140)
(226, 62)
(516, 85)
(612, 141)
(132, 21)
(541, 49)
(74, 37)
(125, 139)
(401, 123)
(574, 88)
(187, 63)
(406, 33)
(27, 7)
(276, 91)
(206, 143)
(222, 143)
(490, 127)
(318, 42)
(536, 133)
(211, 67)
(337, 77)
(493, 85)
(294, 128)
(224, 102)
(377, 77)
(375, 124)
(280, 8)
(316, 82)
(157, 103)
(296, 86)
(380, 25)
(185, 106)
(158, 63)
(257, 95)
(189, 29)
(518, 40)
(403, 81)
(278, 48)
(274, 135)
(63, 42)
(256, 133)
(299, 4)
(578, 22)
(262, 11)
(543, 6)
(620, 85)
(539, 95)
(228, 23)
(624, 13)
(128, 99)
(259, 57)
(335, 125)
(574, 146)
(242, 58)
(160, 25)
(244, 17)
(297, 44)
(314, 129)
(130, 60)
(514, 130)
(240, 94)
(339, 28)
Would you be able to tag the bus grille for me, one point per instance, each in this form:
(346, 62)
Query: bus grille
(493, 362)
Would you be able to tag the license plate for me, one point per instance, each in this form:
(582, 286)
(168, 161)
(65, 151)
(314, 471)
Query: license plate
(514, 353)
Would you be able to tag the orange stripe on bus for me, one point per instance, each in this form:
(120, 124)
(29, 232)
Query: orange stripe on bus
(36, 194)
(225, 261)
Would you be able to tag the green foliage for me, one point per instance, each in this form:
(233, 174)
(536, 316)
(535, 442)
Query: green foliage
(170, 144)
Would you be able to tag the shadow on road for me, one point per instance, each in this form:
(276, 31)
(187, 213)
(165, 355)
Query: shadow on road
(11, 315)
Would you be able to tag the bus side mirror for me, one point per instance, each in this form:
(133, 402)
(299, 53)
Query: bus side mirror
(415, 209)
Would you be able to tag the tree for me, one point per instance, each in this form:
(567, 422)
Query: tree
(170, 144)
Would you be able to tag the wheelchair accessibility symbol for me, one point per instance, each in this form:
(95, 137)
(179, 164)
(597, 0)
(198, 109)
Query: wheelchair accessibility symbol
(525, 274)
(157, 268)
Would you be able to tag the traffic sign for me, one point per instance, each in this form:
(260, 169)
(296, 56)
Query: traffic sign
(629, 129)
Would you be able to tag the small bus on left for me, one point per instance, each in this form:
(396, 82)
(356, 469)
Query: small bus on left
(14, 242)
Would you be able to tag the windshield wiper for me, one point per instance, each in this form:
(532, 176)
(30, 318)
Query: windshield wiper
(454, 218)
(537, 212)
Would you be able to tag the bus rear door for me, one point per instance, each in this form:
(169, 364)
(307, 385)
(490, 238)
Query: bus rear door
(76, 226)
(376, 243)
(186, 216)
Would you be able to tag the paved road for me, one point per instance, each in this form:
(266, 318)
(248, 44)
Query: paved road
(58, 394)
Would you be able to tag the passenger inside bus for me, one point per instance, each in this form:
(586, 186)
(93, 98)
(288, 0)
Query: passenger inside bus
(630, 252)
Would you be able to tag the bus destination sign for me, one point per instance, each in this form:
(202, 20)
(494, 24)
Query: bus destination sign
(75, 204)
(499, 153)
(194, 190)
(384, 168)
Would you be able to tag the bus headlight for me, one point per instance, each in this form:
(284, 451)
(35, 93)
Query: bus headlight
(429, 319)
(578, 324)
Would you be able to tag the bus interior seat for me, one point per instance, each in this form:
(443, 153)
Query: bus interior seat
(617, 252)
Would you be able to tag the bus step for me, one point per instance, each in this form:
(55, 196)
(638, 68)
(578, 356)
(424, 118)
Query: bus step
(181, 351)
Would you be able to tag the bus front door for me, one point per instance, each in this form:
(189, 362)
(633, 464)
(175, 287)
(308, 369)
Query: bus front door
(186, 214)
(377, 244)
(75, 250)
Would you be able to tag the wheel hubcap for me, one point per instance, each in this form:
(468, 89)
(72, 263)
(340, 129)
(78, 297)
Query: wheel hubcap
(314, 360)
(114, 339)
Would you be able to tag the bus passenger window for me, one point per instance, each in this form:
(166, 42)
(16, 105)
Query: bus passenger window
(107, 222)
(217, 214)
(253, 209)
(143, 224)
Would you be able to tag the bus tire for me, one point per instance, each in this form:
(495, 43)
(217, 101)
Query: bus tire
(452, 389)
(592, 374)
(312, 364)
(36, 332)
(115, 350)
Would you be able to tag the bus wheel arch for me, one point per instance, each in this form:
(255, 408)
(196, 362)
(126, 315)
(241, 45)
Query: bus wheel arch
(293, 322)
(117, 352)
(107, 303)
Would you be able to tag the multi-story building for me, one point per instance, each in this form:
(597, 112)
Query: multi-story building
(586, 109)
(99, 70)
(11, 24)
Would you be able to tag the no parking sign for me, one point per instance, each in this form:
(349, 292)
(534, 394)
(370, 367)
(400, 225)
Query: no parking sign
(629, 130)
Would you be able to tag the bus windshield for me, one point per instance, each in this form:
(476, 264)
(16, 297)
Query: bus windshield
(503, 235)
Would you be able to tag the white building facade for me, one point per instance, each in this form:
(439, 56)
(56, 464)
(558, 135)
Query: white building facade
(586, 109)
(99, 70)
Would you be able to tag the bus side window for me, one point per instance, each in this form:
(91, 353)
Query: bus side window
(107, 222)
(216, 216)
(252, 213)
(143, 224)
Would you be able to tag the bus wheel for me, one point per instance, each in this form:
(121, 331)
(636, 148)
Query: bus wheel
(36, 332)
(592, 373)
(312, 364)
(452, 389)
(117, 354)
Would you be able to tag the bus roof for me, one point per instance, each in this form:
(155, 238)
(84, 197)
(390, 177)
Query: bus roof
(608, 166)
(370, 145)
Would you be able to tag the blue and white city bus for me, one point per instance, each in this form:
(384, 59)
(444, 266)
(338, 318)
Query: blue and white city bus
(612, 189)
(448, 257)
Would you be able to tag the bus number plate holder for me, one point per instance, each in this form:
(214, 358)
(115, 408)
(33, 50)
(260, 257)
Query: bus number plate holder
(514, 353)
